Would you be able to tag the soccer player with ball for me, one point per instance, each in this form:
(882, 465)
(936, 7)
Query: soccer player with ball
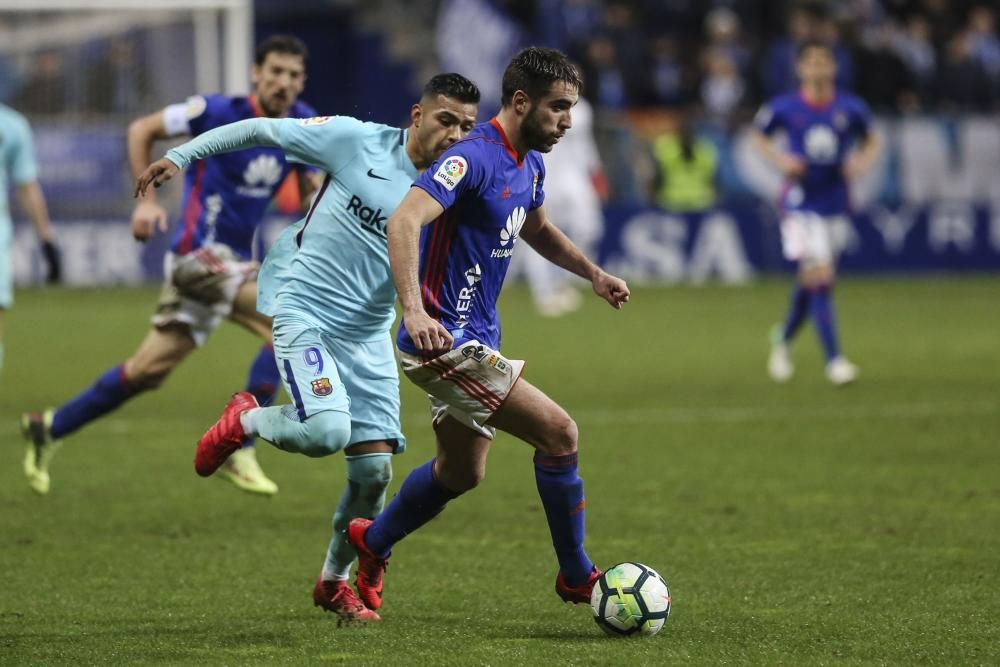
(450, 244)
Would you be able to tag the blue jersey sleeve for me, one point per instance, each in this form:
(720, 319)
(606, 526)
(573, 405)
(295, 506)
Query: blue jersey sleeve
(769, 119)
(207, 112)
(538, 185)
(462, 169)
(22, 167)
(327, 142)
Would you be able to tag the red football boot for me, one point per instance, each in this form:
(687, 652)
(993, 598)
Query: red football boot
(339, 598)
(225, 436)
(577, 594)
(370, 566)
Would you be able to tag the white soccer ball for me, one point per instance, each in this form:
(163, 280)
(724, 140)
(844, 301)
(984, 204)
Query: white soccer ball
(630, 599)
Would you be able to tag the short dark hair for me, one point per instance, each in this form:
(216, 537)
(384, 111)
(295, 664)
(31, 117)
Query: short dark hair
(287, 44)
(534, 70)
(808, 44)
(452, 85)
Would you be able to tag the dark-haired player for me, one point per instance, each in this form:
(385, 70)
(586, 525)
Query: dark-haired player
(209, 272)
(450, 244)
(821, 125)
(326, 281)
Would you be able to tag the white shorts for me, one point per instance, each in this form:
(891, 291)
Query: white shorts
(806, 237)
(468, 383)
(199, 288)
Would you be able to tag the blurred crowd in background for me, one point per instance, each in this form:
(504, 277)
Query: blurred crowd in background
(672, 82)
(725, 56)
(902, 56)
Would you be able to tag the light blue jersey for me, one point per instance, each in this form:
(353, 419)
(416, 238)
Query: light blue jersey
(17, 166)
(340, 277)
(332, 268)
(326, 280)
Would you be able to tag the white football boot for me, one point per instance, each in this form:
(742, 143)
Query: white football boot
(779, 363)
(840, 371)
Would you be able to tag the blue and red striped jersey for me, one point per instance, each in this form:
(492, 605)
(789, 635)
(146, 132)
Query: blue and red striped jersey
(226, 196)
(486, 193)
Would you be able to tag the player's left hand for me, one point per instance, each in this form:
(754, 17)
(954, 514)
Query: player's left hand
(156, 174)
(611, 288)
(54, 261)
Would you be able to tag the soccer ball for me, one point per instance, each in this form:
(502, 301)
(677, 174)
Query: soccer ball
(630, 599)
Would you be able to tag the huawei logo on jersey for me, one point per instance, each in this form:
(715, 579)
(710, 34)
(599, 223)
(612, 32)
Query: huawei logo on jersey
(260, 177)
(821, 144)
(513, 227)
(264, 170)
(509, 234)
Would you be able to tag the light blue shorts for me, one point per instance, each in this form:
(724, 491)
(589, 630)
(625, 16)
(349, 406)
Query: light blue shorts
(6, 267)
(322, 372)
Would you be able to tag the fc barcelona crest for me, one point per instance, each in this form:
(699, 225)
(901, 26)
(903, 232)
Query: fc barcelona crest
(322, 387)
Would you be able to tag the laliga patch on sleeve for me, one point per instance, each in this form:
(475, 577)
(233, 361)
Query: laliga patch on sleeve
(315, 120)
(451, 171)
(194, 107)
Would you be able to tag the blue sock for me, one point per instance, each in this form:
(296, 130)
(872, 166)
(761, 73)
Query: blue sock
(824, 319)
(561, 490)
(264, 380)
(420, 499)
(110, 391)
(797, 311)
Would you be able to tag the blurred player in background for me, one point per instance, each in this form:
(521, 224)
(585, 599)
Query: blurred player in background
(575, 186)
(484, 193)
(821, 125)
(18, 168)
(210, 272)
(326, 281)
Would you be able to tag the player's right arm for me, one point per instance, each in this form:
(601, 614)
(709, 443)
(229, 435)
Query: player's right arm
(148, 216)
(417, 209)
(324, 142)
(767, 121)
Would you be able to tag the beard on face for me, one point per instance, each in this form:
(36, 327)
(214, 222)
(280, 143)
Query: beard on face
(534, 135)
(275, 104)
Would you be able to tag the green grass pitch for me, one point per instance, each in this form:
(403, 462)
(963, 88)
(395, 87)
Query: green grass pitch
(796, 525)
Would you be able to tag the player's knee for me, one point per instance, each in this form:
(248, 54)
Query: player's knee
(327, 433)
(563, 437)
(461, 479)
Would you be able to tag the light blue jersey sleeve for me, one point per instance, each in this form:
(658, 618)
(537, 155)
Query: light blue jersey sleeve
(21, 164)
(249, 133)
(327, 142)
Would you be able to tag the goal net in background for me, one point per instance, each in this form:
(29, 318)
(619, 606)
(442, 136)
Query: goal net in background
(80, 71)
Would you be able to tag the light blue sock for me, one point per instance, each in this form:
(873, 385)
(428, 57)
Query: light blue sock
(368, 476)
(319, 434)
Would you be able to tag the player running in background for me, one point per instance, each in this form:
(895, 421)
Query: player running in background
(18, 167)
(327, 283)
(209, 272)
(821, 124)
(484, 193)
